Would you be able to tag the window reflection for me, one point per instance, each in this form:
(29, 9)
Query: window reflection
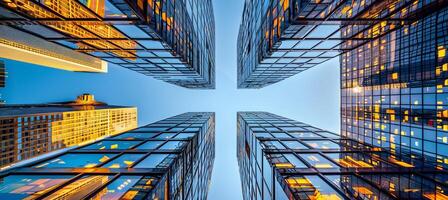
(318, 161)
(73, 160)
(166, 135)
(346, 160)
(312, 187)
(28, 186)
(124, 161)
(131, 136)
(172, 145)
(112, 145)
(185, 135)
(117, 188)
(150, 145)
(322, 144)
(294, 145)
(80, 188)
(355, 186)
(305, 135)
(155, 161)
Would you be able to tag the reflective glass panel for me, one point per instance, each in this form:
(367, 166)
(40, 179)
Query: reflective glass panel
(112, 145)
(294, 145)
(117, 188)
(131, 136)
(322, 144)
(150, 145)
(80, 188)
(73, 160)
(153, 161)
(28, 186)
(312, 186)
(172, 145)
(318, 161)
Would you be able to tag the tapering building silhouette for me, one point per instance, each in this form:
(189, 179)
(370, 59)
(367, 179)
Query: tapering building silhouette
(173, 41)
(280, 158)
(32, 130)
(279, 39)
(168, 159)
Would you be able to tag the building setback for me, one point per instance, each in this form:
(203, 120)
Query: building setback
(170, 40)
(280, 38)
(280, 158)
(32, 130)
(168, 159)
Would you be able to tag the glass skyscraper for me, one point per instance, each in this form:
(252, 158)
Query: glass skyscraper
(173, 41)
(31, 130)
(169, 159)
(394, 91)
(280, 158)
(280, 38)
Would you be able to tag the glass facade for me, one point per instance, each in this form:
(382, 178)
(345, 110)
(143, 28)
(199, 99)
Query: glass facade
(280, 38)
(394, 91)
(280, 158)
(28, 131)
(116, 168)
(173, 41)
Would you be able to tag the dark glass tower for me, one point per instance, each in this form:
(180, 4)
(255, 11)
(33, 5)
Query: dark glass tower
(280, 38)
(280, 158)
(173, 41)
(169, 159)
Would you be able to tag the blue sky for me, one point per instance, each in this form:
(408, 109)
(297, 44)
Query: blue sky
(311, 96)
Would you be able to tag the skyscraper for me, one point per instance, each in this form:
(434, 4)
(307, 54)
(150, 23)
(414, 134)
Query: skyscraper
(169, 159)
(394, 91)
(280, 158)
(28, 131)
(170, 40)
(280, 38)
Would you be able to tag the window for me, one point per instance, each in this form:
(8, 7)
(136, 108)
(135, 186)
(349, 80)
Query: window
(74, 160)
(111, 145)
(124, 161)
(29, 186)
(318, 161)
(154, 161)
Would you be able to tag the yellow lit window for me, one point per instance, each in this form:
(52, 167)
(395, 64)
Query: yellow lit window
(395, 76)
(441, 51)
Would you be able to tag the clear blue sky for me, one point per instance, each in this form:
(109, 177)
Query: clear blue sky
(311, 96)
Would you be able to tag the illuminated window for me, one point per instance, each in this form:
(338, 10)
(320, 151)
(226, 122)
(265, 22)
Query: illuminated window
(318, 161)
(312, 186)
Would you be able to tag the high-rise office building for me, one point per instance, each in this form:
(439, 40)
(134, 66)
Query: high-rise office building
(169, 159)
(173, 41)
(280, 158)
(280, 38)
(28, 131)
(395, 91)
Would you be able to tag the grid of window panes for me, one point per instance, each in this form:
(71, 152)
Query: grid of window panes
(281, 158)
(28, 131)
(394, 92)
(170, 40)
(280, 38)
(169, 159)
